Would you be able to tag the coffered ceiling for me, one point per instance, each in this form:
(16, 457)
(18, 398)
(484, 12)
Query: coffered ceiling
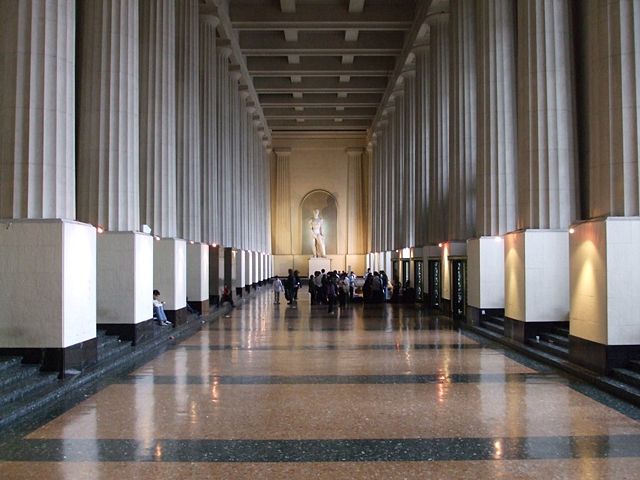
(321, 65)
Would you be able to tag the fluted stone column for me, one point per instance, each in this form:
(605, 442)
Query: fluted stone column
(108, 115)
(235, 156)
(188, 172)
(388, 192)
(604, 260)
(409, 158)
(158, 151)
(537, 255)
(422, 53)
(355, 203)
(108, 165)
(47, 291)
(37, 160)
(282, 224)
(397, 195)
(462, 151)
(158, 116)
(223, 147)
(209, 130)
(437, 210)
(497, 175)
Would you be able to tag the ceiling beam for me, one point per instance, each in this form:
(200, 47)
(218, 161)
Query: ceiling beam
(319, 111)
(288, 6)
(321, 43)
(320, 17)
(320, 67)
(356, 6)
(319, 85)
(320, 99)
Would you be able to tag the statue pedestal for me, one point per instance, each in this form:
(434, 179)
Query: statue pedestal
(318, 263)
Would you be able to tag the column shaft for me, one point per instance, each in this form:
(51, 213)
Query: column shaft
(158, 116)
(209, 131)
(547, 147)
(462, 151)
(437, 210)
(496, 174)
(188, 194)
(37, 109)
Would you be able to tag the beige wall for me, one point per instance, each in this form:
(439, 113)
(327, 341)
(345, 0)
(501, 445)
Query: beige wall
(318, 162)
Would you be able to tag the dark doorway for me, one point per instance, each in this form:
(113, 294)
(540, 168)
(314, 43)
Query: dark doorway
(435, 287)
(458, 288)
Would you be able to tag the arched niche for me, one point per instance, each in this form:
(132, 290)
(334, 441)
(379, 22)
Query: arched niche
(328, 206)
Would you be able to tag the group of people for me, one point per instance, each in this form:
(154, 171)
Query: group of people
(325, 288)
(376, 286)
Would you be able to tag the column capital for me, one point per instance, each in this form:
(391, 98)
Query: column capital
(223, 48)
(256, 120)
(421, 47)
(211, 19)
(354, 151)
(437, 18)
(282, 152)
(244, 90)
(409, 71)
(235, 73)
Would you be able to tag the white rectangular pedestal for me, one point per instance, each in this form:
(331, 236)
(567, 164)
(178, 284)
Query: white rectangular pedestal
(47, 283)
(124, 277)
(248, 268)
(605, 281)
(316, 264)
(197, 272)
(239, 273)
(536, 266)
(170, 272)
(485, 272)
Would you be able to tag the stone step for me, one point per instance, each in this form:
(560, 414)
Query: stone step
(634, 365)
(556, 339)
(493, 327)
(16, 374)
(495, 320)
(627, 376)
(551, 348)
(8, 363)
(112, 349)
(26, 387)
(563, 332)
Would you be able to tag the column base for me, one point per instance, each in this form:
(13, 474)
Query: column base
(520, 331)
(66, 361)
(601, 358)
(135, 333)
(202, 307)
(475, 315)
(177, 317)
(214, 301)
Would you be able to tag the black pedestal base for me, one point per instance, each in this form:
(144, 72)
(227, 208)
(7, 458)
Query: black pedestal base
(601, 358)
(202, 307)
(521, 331)
(61, 360)
(135, 333)
(177, 317)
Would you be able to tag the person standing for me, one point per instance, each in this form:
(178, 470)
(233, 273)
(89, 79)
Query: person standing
(278, 287)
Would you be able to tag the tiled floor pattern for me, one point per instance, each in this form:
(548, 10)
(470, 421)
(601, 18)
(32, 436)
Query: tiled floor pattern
(371, 392)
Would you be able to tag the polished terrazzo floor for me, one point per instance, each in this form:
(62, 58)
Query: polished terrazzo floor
(376, 391)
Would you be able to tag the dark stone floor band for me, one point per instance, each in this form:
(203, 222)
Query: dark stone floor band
(349, 450)
(485, 378)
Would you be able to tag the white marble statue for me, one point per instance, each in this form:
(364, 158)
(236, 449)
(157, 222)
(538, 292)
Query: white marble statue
(317, 235)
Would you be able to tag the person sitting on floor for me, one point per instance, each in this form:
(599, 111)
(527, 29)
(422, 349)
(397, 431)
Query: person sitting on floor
(158, 310)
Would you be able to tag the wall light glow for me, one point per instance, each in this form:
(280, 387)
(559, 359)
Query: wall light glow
(99, 229)
(572, 230)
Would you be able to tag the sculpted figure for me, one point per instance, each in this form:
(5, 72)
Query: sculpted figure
(317, 236)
